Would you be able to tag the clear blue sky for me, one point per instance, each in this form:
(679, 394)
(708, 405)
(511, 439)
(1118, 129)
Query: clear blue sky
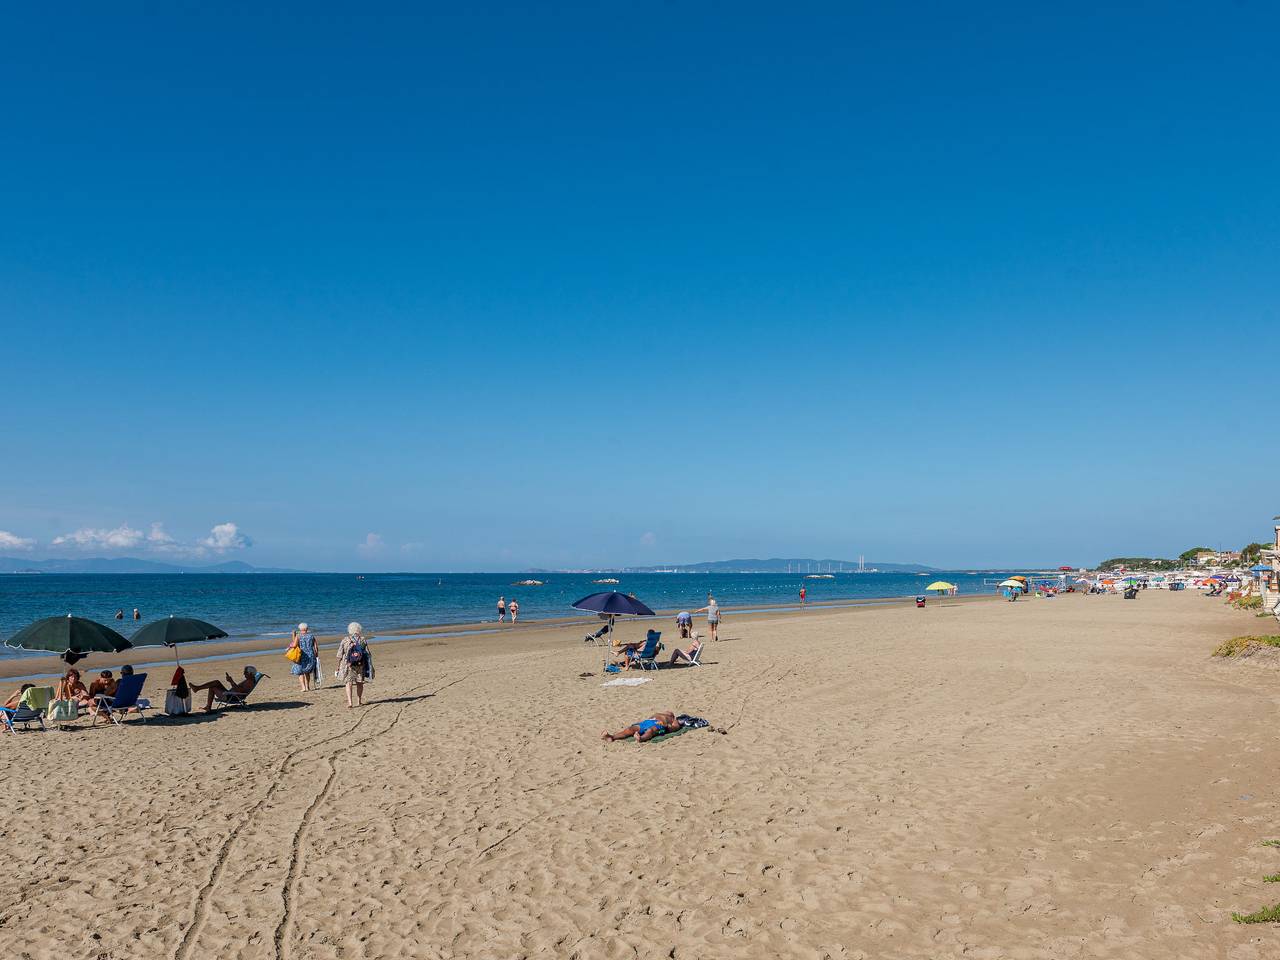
(631, 283)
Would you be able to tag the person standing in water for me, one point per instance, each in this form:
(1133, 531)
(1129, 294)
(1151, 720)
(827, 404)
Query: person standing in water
(119, 614)
(712, 610)
(502, 609)
(136, 614)
(514, 609)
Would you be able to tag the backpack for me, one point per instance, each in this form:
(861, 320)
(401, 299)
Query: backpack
(355, 656)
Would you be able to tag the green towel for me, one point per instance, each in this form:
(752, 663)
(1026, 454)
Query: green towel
(668, 736)
(37, 698)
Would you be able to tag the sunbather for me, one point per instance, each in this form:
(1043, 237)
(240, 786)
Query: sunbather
(16, 698)
(646, 730)
(688, 655)
(104, 686)
(70, 687)
(214, 687)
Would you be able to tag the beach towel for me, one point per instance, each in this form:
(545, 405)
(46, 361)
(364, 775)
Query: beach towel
(693, 723)
(626, 682)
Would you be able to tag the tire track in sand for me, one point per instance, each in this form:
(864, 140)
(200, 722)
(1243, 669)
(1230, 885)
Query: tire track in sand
(204, 896)
(282, 940)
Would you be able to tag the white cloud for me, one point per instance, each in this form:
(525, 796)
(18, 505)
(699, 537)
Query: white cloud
(159, 536)
(224, 537)
(120, 538)
(372, 544)
(648, 539)
(11, 541)
(413, 546)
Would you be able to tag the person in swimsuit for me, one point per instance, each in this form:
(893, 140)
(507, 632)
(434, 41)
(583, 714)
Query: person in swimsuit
(802, 596)
(646, 730)
(502, 609)
(514, 609)
(70, 687)
(15, 699)
(687, 655)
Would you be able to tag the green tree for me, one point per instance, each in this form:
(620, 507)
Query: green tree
(1252, 553)
(1191, 554)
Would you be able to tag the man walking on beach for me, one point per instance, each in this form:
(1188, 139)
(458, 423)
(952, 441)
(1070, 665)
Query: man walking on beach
(502, 609)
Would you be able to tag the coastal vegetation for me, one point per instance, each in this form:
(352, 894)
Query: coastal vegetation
(1248, 603)
(1187, 556)
(1243, 647)
(1140, 563)
(1266, 914)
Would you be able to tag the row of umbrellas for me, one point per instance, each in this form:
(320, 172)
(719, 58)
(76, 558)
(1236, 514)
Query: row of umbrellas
(75, 637)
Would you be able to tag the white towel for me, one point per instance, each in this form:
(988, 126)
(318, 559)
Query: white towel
(626, 682)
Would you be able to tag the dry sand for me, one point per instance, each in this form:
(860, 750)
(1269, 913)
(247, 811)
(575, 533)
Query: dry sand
(1046, 779)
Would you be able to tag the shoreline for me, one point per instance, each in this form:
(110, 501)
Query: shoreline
(48, 667)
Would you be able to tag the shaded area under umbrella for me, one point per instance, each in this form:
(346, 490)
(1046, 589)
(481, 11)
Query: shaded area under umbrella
(612, 604)
(71, 638)
(175, 630)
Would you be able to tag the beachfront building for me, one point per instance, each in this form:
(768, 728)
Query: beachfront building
(1270, 582)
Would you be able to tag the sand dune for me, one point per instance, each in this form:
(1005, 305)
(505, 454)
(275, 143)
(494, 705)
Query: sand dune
(1052, 779)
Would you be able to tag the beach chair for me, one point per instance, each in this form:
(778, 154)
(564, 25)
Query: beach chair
(126, 698)
(230, 698)
(646, 658)
(31, 709)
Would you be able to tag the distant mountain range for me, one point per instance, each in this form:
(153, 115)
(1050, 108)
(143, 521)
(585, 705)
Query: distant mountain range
(127, 565)
(797, 565)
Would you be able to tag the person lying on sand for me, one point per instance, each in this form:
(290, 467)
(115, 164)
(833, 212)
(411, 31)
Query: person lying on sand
(216, 686)
(646, 730)
(16, 698)
(686, 655)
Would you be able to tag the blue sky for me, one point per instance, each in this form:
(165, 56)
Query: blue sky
(487, 287)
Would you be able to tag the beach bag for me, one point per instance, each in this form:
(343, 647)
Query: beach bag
(355, 657)
(293, 654)
(176, 705)
(63, 710)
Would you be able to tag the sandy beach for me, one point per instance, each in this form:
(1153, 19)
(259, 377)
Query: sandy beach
(1046, 779)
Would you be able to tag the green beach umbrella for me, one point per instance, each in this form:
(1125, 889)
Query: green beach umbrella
(69, 637)
(175, 630)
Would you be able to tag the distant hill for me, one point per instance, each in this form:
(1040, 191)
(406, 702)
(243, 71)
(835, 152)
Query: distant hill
(798, 565)
(127, 565)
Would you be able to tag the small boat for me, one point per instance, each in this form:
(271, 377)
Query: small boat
(527, 583)
(819, 576)
(605, 580)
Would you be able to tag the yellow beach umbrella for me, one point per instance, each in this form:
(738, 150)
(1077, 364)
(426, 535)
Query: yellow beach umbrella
(941, 585)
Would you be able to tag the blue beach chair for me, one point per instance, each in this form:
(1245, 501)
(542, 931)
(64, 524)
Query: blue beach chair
(646, 658)
(126, 698)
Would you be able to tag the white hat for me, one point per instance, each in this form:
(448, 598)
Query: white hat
(302, 628)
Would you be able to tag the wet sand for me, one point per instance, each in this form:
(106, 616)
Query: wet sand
(1046, 779)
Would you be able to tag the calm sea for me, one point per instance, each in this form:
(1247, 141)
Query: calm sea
(253, 605)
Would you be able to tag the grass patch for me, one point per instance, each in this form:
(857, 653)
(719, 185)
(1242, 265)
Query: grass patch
(1249, 603)
(1274, 878)
(1271, 843)
(1265, 915)
(1243, 646)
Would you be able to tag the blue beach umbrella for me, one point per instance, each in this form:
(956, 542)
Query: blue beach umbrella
(615, 604)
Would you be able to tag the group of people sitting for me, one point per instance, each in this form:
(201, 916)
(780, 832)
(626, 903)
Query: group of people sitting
(647, 649)
(71, 688)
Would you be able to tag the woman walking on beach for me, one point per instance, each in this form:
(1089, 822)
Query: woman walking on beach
(713, 617)
(305, 669)
(514, 609)
(355, 665)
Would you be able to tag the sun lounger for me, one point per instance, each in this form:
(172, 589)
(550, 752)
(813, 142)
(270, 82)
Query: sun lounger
(126, 698)
(231, 698)
(646, 658)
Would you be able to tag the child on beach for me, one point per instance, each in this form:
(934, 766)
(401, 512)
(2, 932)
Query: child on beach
(646, 730)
